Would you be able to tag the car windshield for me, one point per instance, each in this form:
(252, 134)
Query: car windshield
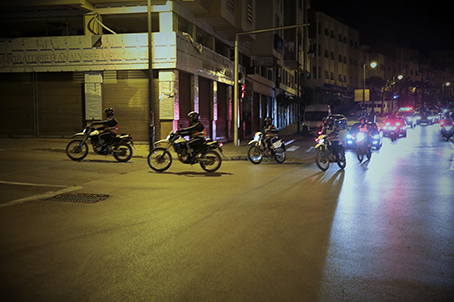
(315, 115)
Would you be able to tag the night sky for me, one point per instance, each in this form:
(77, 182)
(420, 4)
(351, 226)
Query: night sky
(424, 25)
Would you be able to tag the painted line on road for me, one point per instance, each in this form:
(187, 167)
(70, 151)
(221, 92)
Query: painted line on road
(40, 196)
(292, 148)
(289, 142)
(29, 184)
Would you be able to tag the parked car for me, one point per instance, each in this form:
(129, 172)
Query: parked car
(396, 125)
(341, 120)
(375, 131)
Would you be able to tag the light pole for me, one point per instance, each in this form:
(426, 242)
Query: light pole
(373, 65)
(235, 84)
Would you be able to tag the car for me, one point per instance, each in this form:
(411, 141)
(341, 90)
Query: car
(358, 112)
(375, 131)
(425, 117)
(409, 117)
(395, 125)
(341, 120)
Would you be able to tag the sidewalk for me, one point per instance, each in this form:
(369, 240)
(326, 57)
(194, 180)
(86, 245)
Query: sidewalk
(231, 152)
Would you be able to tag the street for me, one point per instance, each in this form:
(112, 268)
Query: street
(381, 230)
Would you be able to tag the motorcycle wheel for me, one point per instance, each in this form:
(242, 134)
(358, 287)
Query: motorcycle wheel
(76, 151)
(280, 155)
(321, 159)
(159, 159)
(210, 161)
(359, 153)
(123, 152)
(342, 162)
(255, 155)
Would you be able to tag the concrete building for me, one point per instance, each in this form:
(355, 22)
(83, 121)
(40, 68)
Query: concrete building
(337, 65)
(62, 62)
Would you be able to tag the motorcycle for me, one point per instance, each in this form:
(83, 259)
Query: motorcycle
(259, 150)
(324, 154)
(393, 135)
(363, 146)
(121, 146)
(447, 129)
(160, 159)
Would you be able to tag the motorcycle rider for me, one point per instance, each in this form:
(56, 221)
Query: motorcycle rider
(332, 131)
(196, 131)
(323, 126)
(109, 128)
(364, 127)
(269, 131)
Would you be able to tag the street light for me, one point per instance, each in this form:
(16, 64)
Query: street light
(373, 65)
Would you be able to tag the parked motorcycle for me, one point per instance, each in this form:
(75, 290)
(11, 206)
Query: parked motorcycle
(160, 158)
(447, 129)
(259, 150)
(324, 154)
(363, 146)
(121, 146)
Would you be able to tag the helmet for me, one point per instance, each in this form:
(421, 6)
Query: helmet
(109, 112)
(331, 119)
(193, 116)
(268, 119)
(362, 119)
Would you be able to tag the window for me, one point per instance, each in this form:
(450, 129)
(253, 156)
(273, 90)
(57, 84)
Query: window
(231, 6)
(250, 12)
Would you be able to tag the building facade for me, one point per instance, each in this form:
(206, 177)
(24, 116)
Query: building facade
(60, 65)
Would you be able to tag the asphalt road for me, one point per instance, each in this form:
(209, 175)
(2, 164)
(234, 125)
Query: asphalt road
(381, 230)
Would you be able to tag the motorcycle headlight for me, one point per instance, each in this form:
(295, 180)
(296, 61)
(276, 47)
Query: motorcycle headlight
(257, 137)
(360, 136)
(349, 136)
(376, 136)
(321, 141)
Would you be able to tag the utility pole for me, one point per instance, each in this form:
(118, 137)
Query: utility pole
(235, 84)
(150, 78)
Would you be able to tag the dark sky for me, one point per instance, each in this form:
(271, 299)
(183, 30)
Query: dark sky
(423, 25)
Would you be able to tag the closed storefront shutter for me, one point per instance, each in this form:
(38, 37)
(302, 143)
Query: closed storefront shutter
(60, 104)
(221, 122)
(205, 104)
(129, 98)
(17, 114)
(184, 98)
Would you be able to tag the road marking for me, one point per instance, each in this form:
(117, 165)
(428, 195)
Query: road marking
(30, 184)
(293, 148)
(289, 142)
(40, 196)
